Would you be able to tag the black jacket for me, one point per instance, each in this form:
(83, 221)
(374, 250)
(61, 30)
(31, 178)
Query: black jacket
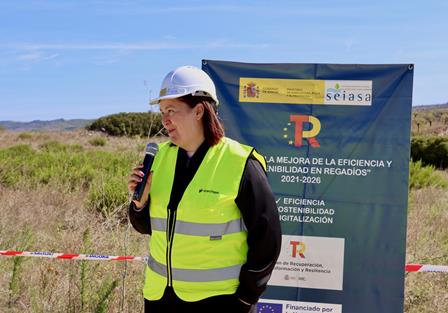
(259, 211)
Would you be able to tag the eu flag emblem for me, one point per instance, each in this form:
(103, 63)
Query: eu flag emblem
(269, 307)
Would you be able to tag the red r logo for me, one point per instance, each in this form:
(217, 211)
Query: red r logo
(298, 247)
(310, 135)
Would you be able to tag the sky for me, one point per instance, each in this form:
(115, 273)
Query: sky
(90, 58)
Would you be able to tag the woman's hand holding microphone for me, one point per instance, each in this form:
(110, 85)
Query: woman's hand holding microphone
(135, 177)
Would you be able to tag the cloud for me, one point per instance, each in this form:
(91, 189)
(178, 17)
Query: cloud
(36, 56)
(38, 5)
(330, 10)
(124, 8)
(217, 44)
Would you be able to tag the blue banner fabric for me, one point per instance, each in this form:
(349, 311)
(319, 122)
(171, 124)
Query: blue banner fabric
(336, 139)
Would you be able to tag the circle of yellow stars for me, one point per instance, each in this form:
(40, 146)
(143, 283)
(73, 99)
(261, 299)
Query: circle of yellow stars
(286, 135)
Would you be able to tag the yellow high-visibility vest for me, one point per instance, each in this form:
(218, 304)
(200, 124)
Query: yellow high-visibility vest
(203, 255)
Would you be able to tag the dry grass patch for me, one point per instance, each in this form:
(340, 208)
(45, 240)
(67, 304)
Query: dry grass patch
(77, 137)
(427, 243)
(46, 220)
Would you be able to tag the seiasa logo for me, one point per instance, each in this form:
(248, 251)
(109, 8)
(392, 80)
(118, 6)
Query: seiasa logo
(298, 249)
(313, 129)
(351, 92)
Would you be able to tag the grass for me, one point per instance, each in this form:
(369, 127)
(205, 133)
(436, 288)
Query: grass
(69, 168)
(58, 192)
(25, 135)
(427, 243)
(98, 141)
(72, 197)
(58, 223)
(425, 176)
(24, 241)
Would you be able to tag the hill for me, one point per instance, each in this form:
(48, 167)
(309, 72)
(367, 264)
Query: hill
(426, 120)
(430, 107)
(53, 125)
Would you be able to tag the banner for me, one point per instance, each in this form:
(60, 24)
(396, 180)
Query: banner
(336, 139)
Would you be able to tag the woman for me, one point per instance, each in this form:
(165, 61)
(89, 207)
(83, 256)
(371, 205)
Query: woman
(215, 231)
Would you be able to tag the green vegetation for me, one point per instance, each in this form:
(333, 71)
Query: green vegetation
(432, 150)
(98, 142)
(24, 241)
(129, 124)
(69, 168)
(25, 135)
(425, 176)
(92, 299)
(105, 294)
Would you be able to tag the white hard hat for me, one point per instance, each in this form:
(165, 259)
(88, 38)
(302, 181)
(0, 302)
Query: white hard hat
(186, 80)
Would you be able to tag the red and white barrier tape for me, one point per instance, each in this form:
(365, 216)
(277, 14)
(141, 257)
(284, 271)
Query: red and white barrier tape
(70, 256)
(95, 257)
(426, 268)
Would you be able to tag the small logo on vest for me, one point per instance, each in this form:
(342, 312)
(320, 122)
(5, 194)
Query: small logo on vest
(208, 191)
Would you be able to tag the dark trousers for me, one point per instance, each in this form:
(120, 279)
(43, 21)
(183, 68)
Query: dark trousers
(171, 303)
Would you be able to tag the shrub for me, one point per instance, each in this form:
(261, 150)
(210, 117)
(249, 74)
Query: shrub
(425, 176)
(98, 141)
(101, 174)
(107, 196)
(25, 135)
(129, 124)
(13, 164)
(24, 242)
(53, 146)
(430, 151)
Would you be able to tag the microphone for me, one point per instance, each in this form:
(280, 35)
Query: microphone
(151, 150)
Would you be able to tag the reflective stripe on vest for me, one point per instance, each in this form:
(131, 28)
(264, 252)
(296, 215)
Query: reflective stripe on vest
(196, 275)
(200, 229)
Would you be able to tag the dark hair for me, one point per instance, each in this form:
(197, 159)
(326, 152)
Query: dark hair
(213, 128)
